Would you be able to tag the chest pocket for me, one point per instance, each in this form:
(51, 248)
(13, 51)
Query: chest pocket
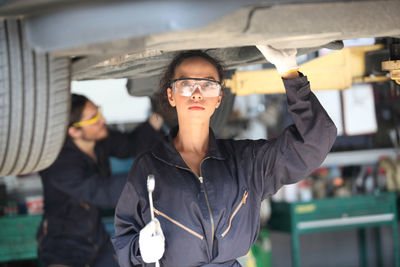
(237, 209)
(178, 224)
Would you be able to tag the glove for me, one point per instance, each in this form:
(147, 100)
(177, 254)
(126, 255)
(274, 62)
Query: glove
(284, 60)
(151, 242)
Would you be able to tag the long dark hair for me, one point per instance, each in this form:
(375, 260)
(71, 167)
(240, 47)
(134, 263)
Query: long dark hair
(169, 73)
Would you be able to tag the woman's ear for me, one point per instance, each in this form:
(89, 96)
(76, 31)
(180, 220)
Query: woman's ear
(74, 132)
(219, 99)
(171, 99)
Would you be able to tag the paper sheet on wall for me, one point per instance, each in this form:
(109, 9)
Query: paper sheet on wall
(331, 101)
(359, 110)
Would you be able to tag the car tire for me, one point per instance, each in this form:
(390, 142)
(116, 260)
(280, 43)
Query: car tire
(34, 103)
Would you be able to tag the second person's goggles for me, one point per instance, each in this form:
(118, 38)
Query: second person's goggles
(91, 121)
(187, 86)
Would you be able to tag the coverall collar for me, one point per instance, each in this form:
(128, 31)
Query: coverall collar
(167, 152)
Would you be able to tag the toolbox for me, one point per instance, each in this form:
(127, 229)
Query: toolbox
(356, 212)
(17, 237)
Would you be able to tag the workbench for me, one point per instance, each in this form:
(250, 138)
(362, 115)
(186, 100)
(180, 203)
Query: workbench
(332, 214)
(18, 237)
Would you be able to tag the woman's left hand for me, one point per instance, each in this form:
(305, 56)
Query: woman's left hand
(284, 59)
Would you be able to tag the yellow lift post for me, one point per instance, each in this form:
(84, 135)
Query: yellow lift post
(337, 70)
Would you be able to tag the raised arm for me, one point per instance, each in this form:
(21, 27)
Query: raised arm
(302, 147)
(142, 138)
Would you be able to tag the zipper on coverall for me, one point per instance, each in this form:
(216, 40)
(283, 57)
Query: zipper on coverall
(206, 197)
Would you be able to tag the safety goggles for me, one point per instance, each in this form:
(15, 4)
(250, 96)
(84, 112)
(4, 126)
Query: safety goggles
(187, 86)
(94, 120)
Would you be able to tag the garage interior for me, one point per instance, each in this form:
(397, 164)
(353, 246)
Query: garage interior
(346, 213)
(343, 214)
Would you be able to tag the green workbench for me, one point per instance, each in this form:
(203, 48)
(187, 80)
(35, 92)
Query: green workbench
(357, 212)
(17, 237)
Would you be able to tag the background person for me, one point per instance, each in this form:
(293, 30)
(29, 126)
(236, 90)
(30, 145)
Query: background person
(79, 182)
(208, 192)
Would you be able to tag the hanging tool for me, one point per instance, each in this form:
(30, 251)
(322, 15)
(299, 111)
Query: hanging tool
(151, 184)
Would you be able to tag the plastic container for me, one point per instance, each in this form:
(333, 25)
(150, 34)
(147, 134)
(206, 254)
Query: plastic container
(34, 204)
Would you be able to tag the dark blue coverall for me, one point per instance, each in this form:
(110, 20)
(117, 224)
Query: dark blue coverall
(212, 219)
(75, 187)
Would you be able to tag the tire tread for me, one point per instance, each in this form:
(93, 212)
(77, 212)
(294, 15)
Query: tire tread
(33, 122)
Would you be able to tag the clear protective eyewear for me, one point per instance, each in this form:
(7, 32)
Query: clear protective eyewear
(94, 120)
(187, 86)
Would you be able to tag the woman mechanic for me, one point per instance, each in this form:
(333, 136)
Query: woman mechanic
(208, 191)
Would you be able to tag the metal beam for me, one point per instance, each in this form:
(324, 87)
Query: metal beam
(337, 70)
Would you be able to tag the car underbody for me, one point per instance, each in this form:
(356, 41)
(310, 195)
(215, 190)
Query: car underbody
(135, 39)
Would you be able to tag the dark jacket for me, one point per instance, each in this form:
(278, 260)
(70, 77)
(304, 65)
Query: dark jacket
(75, 186)
(213, 219)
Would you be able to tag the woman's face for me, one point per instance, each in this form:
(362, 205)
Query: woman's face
(198, 106)
(94, 131)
